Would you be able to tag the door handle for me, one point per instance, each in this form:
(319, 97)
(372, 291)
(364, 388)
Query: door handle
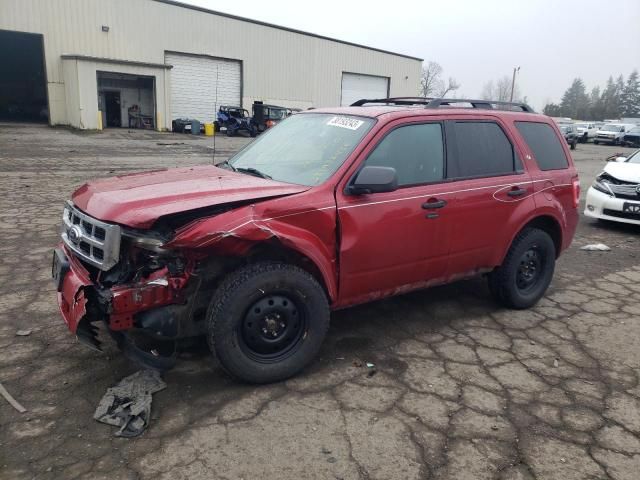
(433, 204)
(517, 192)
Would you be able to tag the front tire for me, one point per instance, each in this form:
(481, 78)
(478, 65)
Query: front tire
(596, 142)
(527, 270)
(267, 321)
(573, 145)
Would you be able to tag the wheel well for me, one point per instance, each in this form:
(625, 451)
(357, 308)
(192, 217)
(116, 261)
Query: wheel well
(275, 251)
(551, 226)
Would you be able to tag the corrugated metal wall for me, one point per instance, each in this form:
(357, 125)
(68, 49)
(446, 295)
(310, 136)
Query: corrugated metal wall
(278, 65)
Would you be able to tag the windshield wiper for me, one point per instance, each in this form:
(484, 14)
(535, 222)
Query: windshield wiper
(227, 166)
(252, 171)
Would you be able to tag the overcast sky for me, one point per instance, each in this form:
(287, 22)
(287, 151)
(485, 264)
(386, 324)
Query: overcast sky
(553, 41)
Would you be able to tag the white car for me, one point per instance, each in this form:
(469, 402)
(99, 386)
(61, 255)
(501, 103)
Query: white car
(612, 133)
(615, 193)
(586, 131)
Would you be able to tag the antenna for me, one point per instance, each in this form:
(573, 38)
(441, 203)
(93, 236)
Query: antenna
(215, 116)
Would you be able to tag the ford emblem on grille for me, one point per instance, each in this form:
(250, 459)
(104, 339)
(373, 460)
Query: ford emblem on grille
(74, 234)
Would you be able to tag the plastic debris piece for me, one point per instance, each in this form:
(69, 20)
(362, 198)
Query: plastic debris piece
(23, 333)
(555, 362)
(128, 404)
(12, 401)
(371, 369)
(596, 247)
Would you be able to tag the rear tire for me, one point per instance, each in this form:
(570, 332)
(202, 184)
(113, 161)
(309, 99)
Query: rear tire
(595, 142)
(573, 145)
(267, 321)
(527, 270)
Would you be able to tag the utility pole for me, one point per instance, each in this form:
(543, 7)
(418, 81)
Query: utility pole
(513, 81)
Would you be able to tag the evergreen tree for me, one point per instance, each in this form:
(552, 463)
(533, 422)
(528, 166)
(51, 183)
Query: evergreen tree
(610, 101)
(575, 101)
(630, 97)
(596, 107)
(552, 109)
(618, 97)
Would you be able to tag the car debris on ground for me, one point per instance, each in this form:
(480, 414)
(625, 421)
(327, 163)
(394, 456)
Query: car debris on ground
(596, 247)
(23, 333)
(128, 404)
(12, 401)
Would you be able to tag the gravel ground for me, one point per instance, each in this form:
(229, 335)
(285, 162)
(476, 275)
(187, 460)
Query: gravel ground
(464, 389)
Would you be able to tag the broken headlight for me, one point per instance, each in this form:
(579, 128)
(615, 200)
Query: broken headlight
(147, 240)
(602, 182)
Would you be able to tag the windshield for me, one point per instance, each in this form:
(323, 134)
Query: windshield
(612, 128)
(634, 157)
(304, 149)
(564, 128)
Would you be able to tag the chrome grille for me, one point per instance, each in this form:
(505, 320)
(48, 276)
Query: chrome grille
(94, 241)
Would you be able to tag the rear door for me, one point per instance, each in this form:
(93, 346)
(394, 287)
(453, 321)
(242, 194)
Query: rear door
(394, 240)
(491, 193)
(555, 179)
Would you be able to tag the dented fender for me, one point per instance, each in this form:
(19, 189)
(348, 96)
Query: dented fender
(308, 230)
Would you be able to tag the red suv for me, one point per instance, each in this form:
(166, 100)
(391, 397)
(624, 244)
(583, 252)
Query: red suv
(331, 208)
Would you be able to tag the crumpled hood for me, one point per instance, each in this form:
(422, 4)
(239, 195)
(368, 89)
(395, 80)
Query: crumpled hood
(629, 172)
(138, 199)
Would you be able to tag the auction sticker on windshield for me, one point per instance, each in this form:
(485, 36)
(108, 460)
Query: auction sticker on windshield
(345, 122)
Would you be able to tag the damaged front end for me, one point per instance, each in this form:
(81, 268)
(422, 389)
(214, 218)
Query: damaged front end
(143, 293)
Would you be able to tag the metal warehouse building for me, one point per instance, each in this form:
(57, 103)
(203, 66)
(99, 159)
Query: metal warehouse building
(87, 62)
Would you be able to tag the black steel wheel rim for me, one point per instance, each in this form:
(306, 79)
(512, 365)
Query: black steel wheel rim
(530, 269)
(273, 328)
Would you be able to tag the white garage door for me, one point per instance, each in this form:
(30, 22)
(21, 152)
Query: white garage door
(356, 86)
(193, 85)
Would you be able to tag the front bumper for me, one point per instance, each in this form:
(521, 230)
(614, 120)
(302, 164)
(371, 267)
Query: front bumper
(603, 206)
(81, 300)
(606, 139)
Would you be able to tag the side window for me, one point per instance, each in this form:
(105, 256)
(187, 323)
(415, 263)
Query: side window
(483, 151)
(544, 144)
(415, 151)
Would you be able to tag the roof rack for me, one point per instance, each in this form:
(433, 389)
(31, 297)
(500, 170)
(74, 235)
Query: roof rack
(484, 104)
(429, 102)
(393, 101)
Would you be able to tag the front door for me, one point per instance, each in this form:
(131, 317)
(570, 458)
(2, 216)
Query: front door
(394, 241)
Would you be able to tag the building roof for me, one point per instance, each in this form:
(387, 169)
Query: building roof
(293, 30)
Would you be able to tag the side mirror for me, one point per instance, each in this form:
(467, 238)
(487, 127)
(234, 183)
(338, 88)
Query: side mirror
(374, 180)
(621, 159)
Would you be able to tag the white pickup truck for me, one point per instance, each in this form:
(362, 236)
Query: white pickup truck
(612, 133)
(586, 131)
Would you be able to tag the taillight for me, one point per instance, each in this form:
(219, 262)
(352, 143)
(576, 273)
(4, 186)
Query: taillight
(576, 192)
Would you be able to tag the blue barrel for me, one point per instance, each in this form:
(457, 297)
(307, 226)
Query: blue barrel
(195, 127)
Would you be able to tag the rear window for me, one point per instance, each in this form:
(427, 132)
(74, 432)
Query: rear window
(544, 144)
(483, 150)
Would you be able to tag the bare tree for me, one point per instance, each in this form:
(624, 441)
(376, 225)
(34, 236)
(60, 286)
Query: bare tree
(500, 90)
(451, 86)
(431, 83)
